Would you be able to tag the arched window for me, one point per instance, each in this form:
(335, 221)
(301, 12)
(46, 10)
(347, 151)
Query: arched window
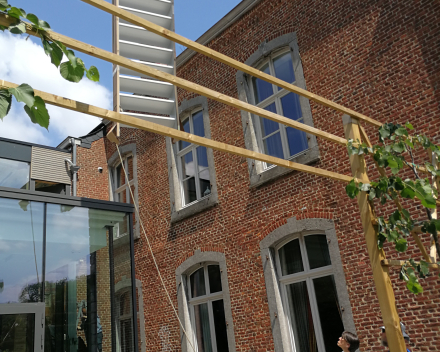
(205, 299)
(124, 328)
(309, 295)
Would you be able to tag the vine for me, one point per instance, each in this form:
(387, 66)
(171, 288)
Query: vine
(72, 70)
(397, 151)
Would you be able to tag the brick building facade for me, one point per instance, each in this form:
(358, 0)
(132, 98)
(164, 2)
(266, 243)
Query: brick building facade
(380, 58)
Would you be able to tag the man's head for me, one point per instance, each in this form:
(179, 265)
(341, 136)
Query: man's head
(384, 335)
(348, 341)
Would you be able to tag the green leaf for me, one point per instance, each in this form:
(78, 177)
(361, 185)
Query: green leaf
(23, 93)
(5, 102)
(427, 201)
(392, 163)
(381, 238)
(384, 132)
(4, 5)
(401, 131)
(56, 55)
(401, 245)
(2, 28)
(408, 193)
(372, 194)
(409, 126)
(16, 12)
(399, 147)
(43, 24)
(93, 74)
(33, 18)
(38, 113)
(406, 213)
(351, 189)
(414, 287)
(424, 268)
(18, 28)
(70, 73)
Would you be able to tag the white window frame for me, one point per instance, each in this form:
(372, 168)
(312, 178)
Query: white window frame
(192, 148)
(125, 187)
(275, 98)
(208, 299)
(306, 275)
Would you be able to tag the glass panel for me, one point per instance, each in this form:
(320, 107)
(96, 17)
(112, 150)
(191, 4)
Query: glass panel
(188, 165)
(202, 157)
(329, 313)
(14, 174)
(297, 141)
(215, 280)
(221, 336)
(269, 126)
(203, 332)
(283, 66)
(21, 250)
(290, 258)
(262, 89)
(198, 127)
(273, 146)
(317, 251)
(205, 183)
(291, 106)
(189, 190)
(301, 317)
(186, 128)
(197, 280)
(77, 284)
(17, 332)
(50, 187)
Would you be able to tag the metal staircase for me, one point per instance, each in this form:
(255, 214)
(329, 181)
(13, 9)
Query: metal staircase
(136, 95)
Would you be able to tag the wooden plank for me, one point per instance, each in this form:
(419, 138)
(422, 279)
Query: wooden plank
(381, 275)
(179, 135)
(391, 263)
(152, 27)
(179, 82)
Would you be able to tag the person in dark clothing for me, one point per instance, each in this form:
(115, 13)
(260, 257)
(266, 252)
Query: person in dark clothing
(348, 342)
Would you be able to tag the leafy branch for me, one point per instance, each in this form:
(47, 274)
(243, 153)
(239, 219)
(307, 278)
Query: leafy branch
(72, 70)
(397, 151)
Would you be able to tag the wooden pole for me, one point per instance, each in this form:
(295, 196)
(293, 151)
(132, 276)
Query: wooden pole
(381, 275)
(179, 135)
(179, 82)
(152, 27)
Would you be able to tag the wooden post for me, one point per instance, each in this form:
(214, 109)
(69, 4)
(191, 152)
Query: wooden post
(381, 275)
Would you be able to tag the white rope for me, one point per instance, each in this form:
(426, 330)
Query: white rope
(151, 251)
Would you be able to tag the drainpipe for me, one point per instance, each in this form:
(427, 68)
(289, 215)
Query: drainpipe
(74, 168)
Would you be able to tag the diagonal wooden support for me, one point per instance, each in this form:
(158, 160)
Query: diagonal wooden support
(180, 135)
(154, 28)
(381, 275)
(179, 82)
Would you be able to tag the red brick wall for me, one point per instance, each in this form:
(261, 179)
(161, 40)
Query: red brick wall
(380, 58)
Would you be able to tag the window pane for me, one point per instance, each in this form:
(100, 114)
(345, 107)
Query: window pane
(203, 333)
(21, 250)
(273, 146)
(17, 332)
(205, 183)
(297, 141)
(197, 280)
(317, 251)
(202, 158)
(262, 89)
(198, 127)
(189, 190)
(269, 126)
(301, 317)
(284, 67)
(329, 313)
(14, 174)
(188, 165)
(215, 280)
(186, 128)
(290, 258)
(291, 106)
(221, 336)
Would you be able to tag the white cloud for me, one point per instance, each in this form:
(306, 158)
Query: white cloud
(22, 61)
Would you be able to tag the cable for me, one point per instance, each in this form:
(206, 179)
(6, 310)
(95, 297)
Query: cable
(151, 251)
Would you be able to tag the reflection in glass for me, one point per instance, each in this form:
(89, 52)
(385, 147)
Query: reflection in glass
(17, 332)
(273, 146)
(197, 280)
(189, 190)
(221, 336)
(203, 333)
(202, 158)
(186, 128)
(205, 183)
(269, 126)
(329, 313)
(301, 317)
(14, 174)
(291, 106)
(215, 280)
(283, 66)
(198, 126)
(317, 251)
(21, 250)
(188, 165)
(262, 89)
(290, 258)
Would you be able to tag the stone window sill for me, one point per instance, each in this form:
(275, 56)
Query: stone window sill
(195, 208)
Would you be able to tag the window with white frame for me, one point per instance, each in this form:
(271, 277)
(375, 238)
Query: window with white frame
(192, 161)
(120, 186)
(309, 295)
(274, 138)
(207, 311)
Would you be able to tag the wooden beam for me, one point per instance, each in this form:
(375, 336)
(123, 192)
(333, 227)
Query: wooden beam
(381, 275)
(180, 135)
(152, 27)
(179, 82)
(391, 263)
